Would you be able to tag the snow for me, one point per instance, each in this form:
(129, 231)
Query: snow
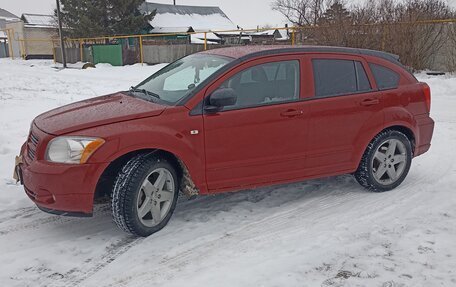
(42, 21)
(170, 30)
(200, 18)
(198, 22)
(211, 38)
(326, 232)
(283, 33)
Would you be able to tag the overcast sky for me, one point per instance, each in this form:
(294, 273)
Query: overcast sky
(245, 13)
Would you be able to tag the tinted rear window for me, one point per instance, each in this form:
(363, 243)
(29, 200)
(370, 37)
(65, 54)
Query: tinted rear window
(385, 78)
(334, 77)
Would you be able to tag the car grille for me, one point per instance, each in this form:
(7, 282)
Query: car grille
(32, 145)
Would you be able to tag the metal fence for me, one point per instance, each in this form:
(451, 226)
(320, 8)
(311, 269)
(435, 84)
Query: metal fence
(4, 50)
(427, 44)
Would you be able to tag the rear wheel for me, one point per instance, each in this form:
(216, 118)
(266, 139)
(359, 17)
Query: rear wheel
(386, 161)
(145, 195)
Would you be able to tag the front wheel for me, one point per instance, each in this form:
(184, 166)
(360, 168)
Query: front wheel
(386, 161)
(144, 195)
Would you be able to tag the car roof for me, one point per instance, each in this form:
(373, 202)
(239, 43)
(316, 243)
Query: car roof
(245, 52)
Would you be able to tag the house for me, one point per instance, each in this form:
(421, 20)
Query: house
(271, 36)
(5, 17)
(181, 19)
(34, 35)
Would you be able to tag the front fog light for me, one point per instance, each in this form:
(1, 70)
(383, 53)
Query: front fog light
(72, 149)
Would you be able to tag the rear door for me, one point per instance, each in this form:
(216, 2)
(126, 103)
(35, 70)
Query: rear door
(262, 138)
(345, 107)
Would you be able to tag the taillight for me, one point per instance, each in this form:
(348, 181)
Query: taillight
(427, 96)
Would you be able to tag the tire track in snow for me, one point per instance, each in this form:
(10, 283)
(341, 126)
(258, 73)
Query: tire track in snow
(261, 231)
(76, 276)
(34, 224)
(24, 212)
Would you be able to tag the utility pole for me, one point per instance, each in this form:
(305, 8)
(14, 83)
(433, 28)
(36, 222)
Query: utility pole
(174, 2)
(62, 44)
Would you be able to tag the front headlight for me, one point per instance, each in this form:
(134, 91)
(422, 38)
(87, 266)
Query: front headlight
(72, 149)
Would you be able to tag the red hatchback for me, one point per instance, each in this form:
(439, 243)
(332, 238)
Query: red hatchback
(225, 120)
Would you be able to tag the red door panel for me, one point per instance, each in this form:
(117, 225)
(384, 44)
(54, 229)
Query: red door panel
(336, 130)
(338, 126)
(257, 145)
(253, 146)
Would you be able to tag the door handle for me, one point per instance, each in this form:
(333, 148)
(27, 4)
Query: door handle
(291, 113)
(370, 102)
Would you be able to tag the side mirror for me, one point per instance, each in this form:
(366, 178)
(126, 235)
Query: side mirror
(220, 98)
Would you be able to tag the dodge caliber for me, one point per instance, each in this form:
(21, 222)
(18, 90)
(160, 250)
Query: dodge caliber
(225, 120)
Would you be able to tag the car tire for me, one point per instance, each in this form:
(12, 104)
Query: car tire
(386, 161)
(145, 194)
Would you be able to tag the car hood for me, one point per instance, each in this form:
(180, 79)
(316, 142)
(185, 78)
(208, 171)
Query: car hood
(95, 112)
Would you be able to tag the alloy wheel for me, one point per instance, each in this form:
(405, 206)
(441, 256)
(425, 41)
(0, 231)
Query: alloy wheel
(155, 197)
(389, 161)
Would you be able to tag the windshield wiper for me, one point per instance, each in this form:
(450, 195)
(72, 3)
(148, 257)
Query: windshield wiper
(145, 92)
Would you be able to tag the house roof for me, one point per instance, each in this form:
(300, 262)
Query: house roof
(165, 30)
(39, 21)
(283, 33)
(211, 38)
(6, 15)
(199, 18)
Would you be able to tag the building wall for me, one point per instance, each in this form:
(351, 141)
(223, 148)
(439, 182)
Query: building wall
(18, 33)
(38, 41)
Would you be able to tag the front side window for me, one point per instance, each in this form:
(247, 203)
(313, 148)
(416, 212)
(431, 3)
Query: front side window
(385, 78)
(178, 79)
(266, 83)
(333, 77)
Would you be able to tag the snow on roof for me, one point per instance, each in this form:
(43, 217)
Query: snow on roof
(37, 20)
(164, 30)
(283, 33)
(200, 18)
(266, 33)
(211, 38)
(6, 15)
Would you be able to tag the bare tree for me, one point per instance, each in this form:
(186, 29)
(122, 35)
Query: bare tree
(300, 12)
(389, 25)
(450, 48)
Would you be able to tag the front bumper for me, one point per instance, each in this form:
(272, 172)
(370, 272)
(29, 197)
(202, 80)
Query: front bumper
(59, 188)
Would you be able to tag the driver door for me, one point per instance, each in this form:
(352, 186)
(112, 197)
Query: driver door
(262, 138)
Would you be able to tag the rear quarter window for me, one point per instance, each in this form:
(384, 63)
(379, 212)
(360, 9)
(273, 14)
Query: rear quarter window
(386, 78)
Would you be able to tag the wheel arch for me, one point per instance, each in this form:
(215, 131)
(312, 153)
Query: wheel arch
(107, 179)
(401, 127)
(405, 130)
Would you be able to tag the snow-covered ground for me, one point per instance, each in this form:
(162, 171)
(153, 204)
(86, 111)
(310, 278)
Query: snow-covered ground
(327, 232)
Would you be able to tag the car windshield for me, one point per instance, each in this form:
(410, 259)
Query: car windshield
(178, 79)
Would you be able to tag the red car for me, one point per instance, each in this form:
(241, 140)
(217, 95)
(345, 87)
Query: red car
(225, 120)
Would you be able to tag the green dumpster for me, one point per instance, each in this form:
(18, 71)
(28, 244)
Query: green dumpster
(111, 54)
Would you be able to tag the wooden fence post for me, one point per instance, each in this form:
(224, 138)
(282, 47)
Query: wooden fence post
(141, 55)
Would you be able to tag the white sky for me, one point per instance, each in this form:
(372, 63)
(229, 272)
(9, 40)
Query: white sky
(245, 13)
